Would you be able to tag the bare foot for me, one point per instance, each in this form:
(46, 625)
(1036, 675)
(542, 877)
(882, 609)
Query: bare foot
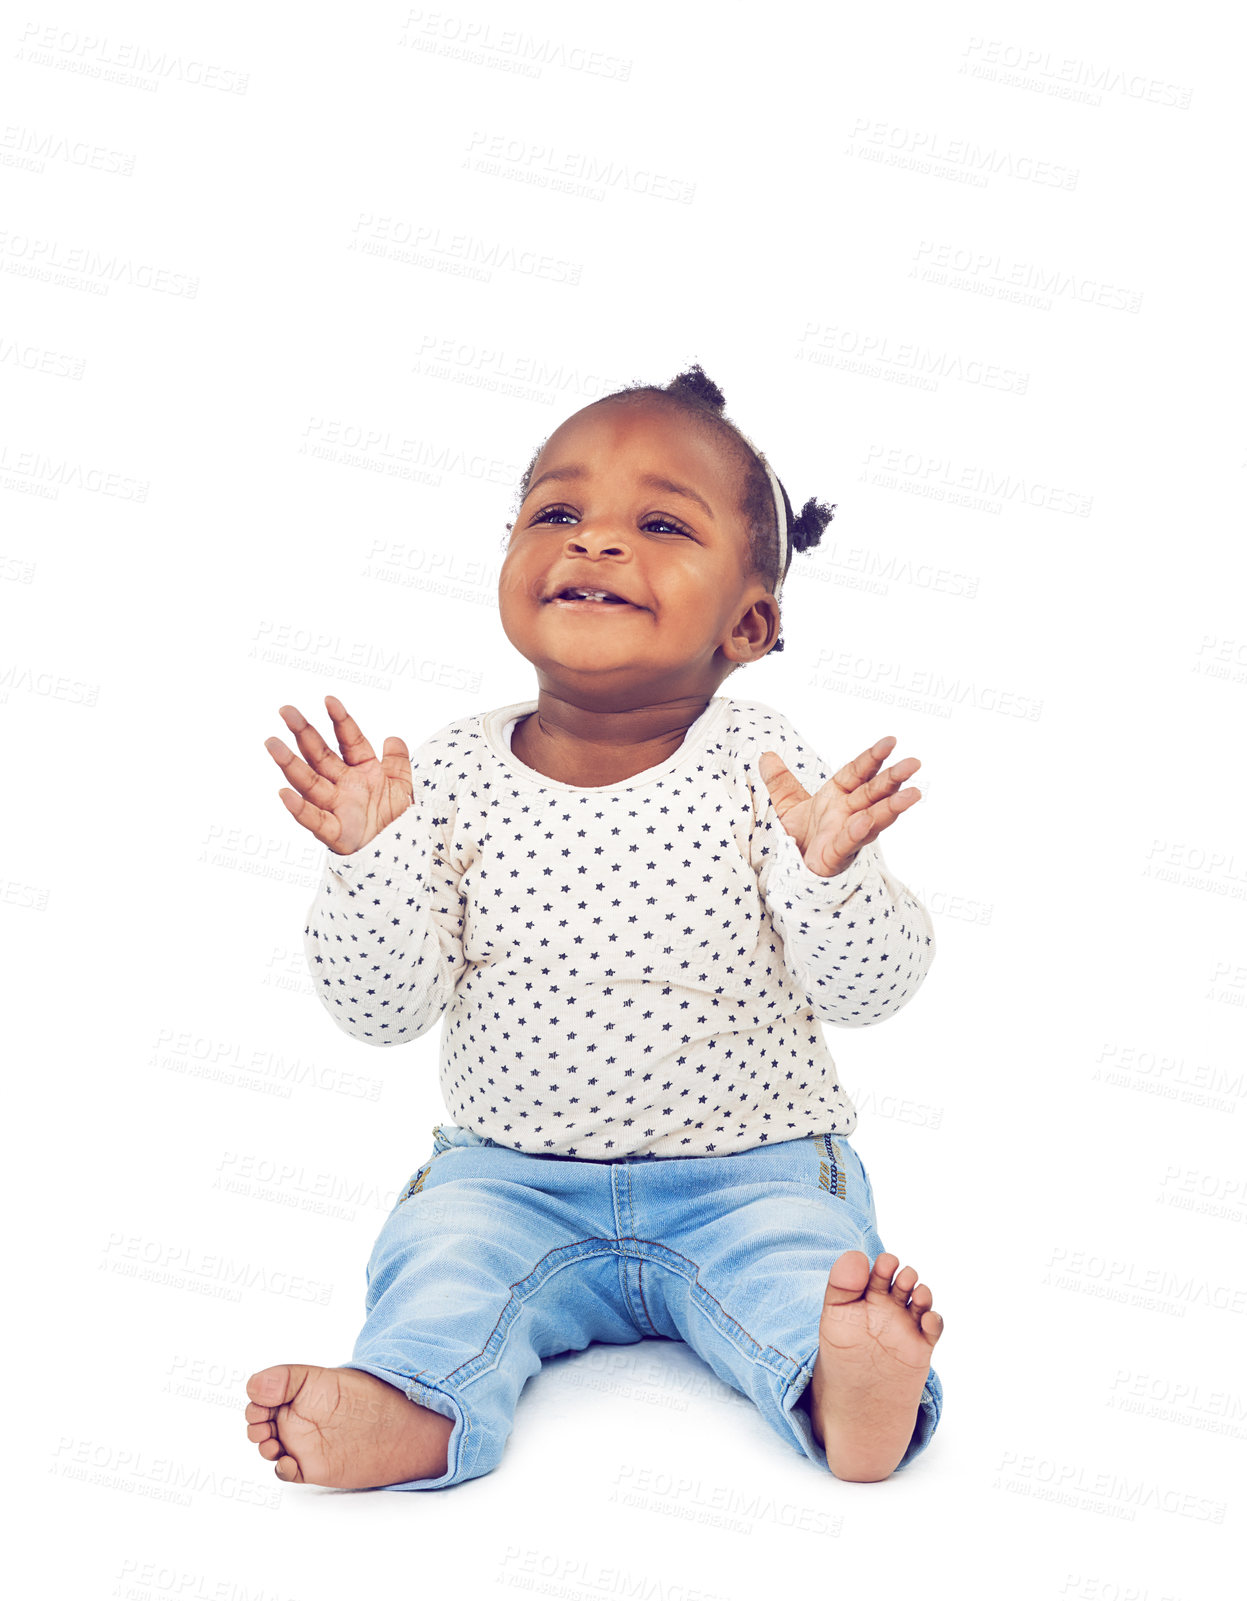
(341, 1427)
(875, 1339)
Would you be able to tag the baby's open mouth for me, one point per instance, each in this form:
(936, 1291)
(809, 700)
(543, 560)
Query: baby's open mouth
(587, 597)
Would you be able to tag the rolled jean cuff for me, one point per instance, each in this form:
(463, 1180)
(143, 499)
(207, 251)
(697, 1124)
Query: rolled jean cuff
(464, 1442)
(929, 1409)
(797, 1417)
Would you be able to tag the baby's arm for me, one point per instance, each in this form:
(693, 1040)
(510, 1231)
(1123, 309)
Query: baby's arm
(857, 944)
(384, 936)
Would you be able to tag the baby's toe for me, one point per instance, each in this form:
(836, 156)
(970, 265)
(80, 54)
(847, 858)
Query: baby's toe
(881, 1274)
(848, 1276)
(261, 1431)
(270, 1449)
(275, 1386)
(903, 1284)
(920, 1300)
(932, 1325)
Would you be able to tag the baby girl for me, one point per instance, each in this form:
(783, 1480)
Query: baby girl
(636, 900)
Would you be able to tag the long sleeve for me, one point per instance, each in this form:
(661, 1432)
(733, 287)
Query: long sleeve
(857, 944)
(384, 936)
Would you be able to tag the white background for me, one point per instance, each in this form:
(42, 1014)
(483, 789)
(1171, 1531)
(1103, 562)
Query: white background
(289, 300)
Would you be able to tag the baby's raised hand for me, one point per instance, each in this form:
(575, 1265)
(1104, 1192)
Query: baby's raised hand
(852, 808)
(345, 801)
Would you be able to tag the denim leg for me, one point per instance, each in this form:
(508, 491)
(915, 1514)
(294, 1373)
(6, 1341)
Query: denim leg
(489, 1263)
(748, 1241)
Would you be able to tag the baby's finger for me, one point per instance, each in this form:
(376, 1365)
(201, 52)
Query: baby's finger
(885, 784)
(886, 812)
(783, 786)
(864, 766)
(396, 758)
(355, 748)
(323, 825)
(312, 744)
(315, 786)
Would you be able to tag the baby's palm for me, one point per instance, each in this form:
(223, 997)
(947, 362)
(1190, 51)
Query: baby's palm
(850, 810)
(345, 801)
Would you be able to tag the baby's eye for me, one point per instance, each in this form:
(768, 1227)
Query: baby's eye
(564, 511)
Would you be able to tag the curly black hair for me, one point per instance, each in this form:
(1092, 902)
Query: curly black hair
(702, 399)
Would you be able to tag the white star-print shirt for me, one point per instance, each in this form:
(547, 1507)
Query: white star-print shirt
(637, 969)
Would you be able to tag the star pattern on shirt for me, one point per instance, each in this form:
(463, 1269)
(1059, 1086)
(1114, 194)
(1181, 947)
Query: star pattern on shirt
(637, 969)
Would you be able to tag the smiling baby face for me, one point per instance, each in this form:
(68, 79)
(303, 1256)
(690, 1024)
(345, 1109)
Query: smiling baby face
(636, 501)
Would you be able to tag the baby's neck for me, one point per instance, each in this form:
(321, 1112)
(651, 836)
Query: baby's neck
(589, 747)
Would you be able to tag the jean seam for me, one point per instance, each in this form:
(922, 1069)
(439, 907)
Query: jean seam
(574, 1252)
(577, 1251)
(623, 1230)
(623, 1261)
(726, 1323)
(640, 1284)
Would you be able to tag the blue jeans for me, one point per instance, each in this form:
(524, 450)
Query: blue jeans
(492, 1260)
